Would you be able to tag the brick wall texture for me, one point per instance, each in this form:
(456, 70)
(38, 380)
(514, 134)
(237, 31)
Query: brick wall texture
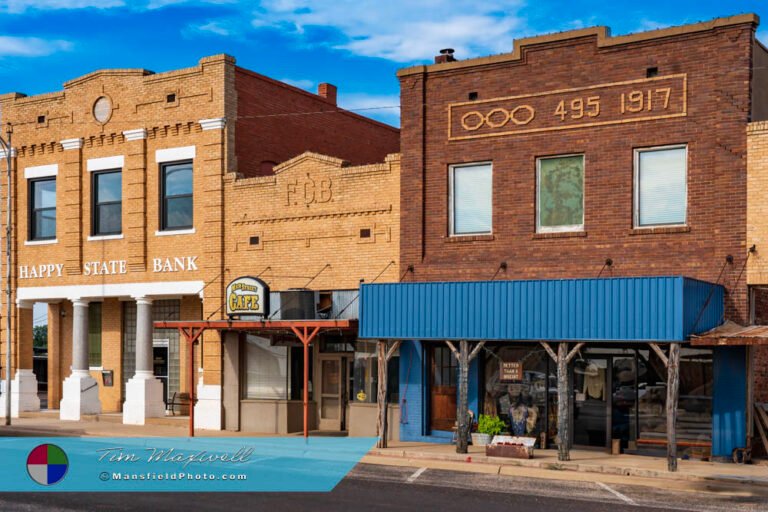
(297, 238)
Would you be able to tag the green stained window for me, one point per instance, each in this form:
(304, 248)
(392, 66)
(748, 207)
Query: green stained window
(560, 194)
(94, 334)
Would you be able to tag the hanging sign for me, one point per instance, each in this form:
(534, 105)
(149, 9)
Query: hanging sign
(247, 296)
(510, 371)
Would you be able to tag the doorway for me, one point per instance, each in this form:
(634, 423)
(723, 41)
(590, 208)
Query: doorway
(590, 401)
(443, 376)
(333, 392)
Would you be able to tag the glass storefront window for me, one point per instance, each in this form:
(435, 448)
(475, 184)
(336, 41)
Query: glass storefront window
(521, 404)
(266, 370)
(366, 374)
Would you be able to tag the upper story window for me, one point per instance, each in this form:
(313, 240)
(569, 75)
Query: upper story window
(107, 203)
(42, 209)
(471, 199)
(176, 194)
(660, 186)
(560, 193)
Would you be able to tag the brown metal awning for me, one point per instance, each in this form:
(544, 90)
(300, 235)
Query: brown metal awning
(731, 333)
(305, 331)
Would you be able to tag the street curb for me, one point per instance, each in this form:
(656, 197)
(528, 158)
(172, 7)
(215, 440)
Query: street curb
(456, 461)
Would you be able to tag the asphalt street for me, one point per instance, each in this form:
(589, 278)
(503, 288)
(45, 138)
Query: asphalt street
(374, 488)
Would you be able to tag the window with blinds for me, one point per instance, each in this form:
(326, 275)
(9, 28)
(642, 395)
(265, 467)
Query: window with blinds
(560, 193)
(660, 186)
(266, 370)
(471, 199)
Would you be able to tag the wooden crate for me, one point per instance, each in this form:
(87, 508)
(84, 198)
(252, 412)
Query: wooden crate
(514, 451)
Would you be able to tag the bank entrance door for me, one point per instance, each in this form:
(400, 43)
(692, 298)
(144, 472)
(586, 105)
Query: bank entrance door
(333, 392)
(443, 374)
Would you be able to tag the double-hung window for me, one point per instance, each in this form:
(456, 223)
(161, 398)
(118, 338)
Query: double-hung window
(176, 193)
(560, 194)
(660, 186)
(42, 209)
(107, 203)
(471, 199)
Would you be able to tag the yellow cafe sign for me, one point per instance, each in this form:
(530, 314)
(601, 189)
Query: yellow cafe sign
(247, 296)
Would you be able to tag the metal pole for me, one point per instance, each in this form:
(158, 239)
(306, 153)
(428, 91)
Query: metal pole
(7, 147)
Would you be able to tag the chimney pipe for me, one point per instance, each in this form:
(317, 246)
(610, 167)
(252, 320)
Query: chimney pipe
(327, 91)
(446, 55)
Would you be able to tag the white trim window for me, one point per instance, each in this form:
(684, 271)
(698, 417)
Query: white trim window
(471, 199)
(661, 189)
(560, 193)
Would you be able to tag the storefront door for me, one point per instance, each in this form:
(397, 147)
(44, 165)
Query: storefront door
(591, 397)
(443, 388)
(332, 392)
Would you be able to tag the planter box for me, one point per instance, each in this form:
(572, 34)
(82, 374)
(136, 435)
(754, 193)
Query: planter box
(480, 439)
(514, 451)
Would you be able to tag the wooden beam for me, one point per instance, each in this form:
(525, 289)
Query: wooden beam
(563, 449)
(462, 405)
(673, 388)
(381, 395)
(660, 353)
(759, 421)
(453, 348)
(573, 352)
(393, 349)
(549, 350)
(475, 350)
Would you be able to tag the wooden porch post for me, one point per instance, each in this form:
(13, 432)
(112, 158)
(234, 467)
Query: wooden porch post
(463, 357)
(673, 389)
(384, 354)
(306, 338)
(191, 337)
(564, 447)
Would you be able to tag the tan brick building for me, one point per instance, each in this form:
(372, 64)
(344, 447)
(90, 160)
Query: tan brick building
(129, 188)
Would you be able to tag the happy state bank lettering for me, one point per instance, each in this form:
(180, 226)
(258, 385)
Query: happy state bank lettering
(105, 268)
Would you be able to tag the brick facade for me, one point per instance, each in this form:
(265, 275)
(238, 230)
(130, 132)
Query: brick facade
(210, 114)
(715, 58)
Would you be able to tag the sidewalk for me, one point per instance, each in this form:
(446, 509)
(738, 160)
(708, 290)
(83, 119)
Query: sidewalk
(585, 462)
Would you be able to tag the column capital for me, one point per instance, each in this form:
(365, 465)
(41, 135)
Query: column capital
(217, 123)
(24, 304)
(79, 302)
(142, 299)
(71, 144)
(137, 134)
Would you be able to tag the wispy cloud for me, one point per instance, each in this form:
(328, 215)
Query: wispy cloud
(646, 24)
(401, 31)
(301, 83)
(763, 36)
(31, 46)
(19, 6)
(384, 107)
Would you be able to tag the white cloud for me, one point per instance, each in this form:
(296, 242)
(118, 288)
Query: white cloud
(763, 36)
(646, 24)
(214, 27)
(403, 31)
(384, 107)
(17, 6)
(30, 46)
(301, 83)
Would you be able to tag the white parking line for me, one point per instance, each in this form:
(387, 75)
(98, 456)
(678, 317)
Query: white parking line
(416, 474)
(622, 497)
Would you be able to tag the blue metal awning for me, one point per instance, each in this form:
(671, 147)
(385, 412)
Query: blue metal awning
(611, 309)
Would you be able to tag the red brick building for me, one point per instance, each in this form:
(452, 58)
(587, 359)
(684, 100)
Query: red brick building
(581, 155)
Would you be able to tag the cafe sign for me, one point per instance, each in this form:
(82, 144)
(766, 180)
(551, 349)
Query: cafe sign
(247, 296)
(511, 371)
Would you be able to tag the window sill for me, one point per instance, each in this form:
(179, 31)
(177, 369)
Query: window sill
(41, 242)
(469, 238)
(559, 234)
(660, 230)
(105, 237)
(175, 232)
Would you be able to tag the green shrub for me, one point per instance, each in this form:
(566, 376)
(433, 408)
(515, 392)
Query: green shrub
(491, 425)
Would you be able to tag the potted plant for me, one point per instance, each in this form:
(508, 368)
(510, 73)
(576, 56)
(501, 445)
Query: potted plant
(487, 427)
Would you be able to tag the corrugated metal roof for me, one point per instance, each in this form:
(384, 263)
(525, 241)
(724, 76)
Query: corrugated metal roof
(731, 333)
(622, 308)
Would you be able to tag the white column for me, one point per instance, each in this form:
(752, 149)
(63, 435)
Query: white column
(80, 390)
(143, 392)
(24, 396)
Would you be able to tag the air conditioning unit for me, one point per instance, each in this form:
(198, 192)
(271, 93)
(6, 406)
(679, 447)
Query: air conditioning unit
(297, 304)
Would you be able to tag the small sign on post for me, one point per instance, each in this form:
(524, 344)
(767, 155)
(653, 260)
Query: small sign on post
(510, 371)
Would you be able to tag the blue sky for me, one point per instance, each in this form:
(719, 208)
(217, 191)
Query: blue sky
(357, 45)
